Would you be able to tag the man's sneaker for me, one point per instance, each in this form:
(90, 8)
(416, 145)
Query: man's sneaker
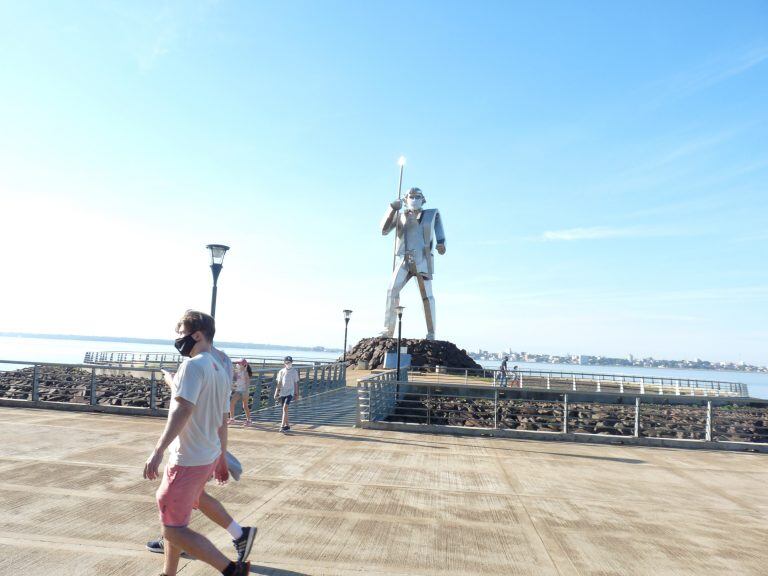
(287, 428)
(242, 569)
(158, 547)
(244, 544)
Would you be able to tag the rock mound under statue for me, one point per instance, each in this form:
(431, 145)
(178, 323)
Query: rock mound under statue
(429, 353)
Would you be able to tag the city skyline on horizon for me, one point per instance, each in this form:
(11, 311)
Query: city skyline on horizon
(602, 183)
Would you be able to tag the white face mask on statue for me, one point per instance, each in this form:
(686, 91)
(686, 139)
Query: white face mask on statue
(414, 203)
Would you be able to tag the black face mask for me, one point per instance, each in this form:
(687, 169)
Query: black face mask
(185, 344)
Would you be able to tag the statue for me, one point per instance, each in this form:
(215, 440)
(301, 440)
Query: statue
(417, 232)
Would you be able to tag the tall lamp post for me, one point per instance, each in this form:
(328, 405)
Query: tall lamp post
(217, 259)
(399, 336)
(347, 314)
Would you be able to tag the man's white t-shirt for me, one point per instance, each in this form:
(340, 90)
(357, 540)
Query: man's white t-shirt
(287, 380)
(204, 382)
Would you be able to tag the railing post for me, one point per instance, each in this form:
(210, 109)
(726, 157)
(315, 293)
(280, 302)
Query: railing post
(642, 385)
(153, 392)
(708, 433)
(621, 385)
(548, 384)
(466, 375)
(429, 404)
(35, 383)
(495, 408)
(573, 378)
(637, 417)
(565, 413)
(661, 386)
(520, 379)
(677, 387)
(597, 380)
(93, 387)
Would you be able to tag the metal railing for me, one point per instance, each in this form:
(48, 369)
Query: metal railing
(452, 405)
(141, 388)
(579, 381)
(172, 359)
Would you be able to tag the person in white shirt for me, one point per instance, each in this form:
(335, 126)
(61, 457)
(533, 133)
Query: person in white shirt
(286, 390)
(196, 438)
(240, 388)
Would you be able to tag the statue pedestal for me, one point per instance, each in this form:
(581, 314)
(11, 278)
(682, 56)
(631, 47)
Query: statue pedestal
(423, 353)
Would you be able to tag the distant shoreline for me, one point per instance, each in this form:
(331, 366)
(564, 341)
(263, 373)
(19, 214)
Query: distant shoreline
(246, 345)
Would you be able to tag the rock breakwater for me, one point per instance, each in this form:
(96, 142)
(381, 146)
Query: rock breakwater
(732, 422)
(68, 384)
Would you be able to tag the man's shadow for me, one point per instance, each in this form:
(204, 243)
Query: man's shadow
(267, 571)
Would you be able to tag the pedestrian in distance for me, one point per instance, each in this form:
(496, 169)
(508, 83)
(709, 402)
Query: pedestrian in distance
(240, 390)
(286, 390)
(195, 436)
(516, 377)
(503, 372)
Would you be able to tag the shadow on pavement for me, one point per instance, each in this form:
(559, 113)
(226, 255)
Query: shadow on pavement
(267, 571)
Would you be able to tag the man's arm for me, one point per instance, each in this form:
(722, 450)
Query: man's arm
(221, 473)
(177, 419)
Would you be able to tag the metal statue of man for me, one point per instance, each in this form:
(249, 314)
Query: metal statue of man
(418, 231)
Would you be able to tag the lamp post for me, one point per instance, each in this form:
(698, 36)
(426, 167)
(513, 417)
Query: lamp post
(347, 314)
(399, 336)
(217, 259)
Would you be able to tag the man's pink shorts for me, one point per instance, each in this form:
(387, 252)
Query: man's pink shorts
(180, 491)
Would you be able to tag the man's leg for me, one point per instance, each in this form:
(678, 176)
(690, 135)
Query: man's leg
(399, 278)
(171, 560)
(285, 413)
(242, 537)
(196, 544)
(214, 511)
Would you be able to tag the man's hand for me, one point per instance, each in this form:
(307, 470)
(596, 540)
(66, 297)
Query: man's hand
(441, 248)
(152, 465)
(396, 205)
(168, 377)
(221, 473)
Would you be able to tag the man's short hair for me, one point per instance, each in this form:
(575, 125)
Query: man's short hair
(193, 320)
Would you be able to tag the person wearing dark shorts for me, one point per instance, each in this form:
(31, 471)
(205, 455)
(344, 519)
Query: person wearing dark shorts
(286, 390)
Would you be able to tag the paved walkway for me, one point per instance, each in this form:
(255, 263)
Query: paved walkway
(339, 501)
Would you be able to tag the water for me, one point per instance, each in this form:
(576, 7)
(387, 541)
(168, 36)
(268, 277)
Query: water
(73, 351)
(758, 383)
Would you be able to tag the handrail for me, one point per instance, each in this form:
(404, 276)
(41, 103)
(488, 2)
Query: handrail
(94, 385)
(128, 358)
(544, 379)
(449, 405)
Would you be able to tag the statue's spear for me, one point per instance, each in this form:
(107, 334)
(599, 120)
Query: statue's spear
(401, 163)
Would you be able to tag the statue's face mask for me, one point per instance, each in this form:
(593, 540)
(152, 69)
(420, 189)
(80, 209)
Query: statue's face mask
(414, 201)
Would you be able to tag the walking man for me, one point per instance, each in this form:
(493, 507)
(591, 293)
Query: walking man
(196, 438)
(286, 390)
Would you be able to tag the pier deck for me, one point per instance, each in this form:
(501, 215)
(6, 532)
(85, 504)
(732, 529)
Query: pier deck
(343, 501)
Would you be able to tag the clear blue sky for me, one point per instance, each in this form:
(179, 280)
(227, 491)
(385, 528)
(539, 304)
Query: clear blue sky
(601, 168)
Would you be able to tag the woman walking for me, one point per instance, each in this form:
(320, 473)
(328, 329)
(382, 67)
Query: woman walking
(240, 390)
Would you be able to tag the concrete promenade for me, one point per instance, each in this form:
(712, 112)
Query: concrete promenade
(335, 500)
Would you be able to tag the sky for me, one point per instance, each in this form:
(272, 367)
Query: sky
(601, 169)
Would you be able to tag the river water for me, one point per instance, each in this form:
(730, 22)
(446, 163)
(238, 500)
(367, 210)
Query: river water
(72, 352)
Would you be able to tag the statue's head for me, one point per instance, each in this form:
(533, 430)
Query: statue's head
(414, 199)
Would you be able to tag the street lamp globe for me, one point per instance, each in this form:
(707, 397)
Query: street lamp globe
(217, 253)
(347, 314)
